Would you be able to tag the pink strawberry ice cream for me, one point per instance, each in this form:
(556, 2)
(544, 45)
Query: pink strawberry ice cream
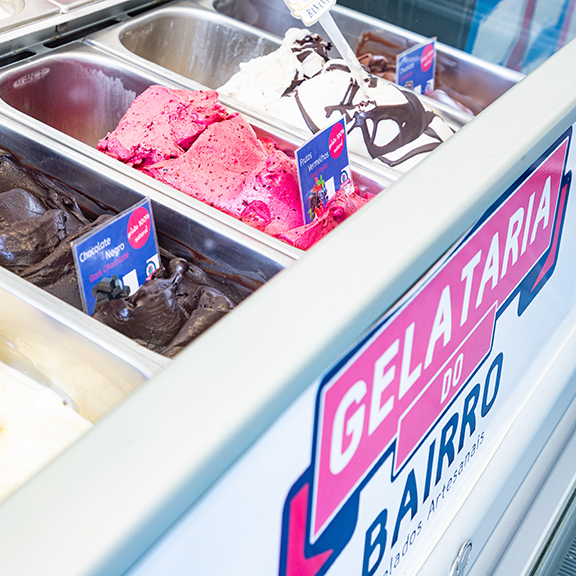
(188, 140)
(228, 167)
(161, 124)
(338, 208)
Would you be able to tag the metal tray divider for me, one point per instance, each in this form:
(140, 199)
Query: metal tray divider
(109, 39)
(226, 222)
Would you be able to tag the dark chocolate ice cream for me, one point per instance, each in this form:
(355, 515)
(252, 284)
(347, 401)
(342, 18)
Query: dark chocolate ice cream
(39, 218)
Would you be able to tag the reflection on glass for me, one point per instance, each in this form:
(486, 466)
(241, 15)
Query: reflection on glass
(518, 34)
(449, 20)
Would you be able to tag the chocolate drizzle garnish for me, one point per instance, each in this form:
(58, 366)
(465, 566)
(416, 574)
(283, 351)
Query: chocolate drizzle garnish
(303, 55)
(312, 43)
(295, 83)
(412, 120)
(341, 67)
(347, 103)
(309, 122)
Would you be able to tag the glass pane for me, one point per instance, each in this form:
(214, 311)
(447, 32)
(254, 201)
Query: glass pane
(519, 34)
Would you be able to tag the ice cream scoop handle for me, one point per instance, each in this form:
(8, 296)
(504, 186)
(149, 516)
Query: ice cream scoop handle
(343, 47)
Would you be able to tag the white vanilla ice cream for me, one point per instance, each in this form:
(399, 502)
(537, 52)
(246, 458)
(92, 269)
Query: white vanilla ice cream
(300, 85)
(35, 426)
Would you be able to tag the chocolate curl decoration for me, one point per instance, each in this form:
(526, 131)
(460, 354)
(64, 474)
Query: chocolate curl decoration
(412, 120)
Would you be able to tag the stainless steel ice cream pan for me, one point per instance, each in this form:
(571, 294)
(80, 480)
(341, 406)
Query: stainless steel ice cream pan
(468, 75)
(78, 93)
(33, 25)
(77, 90)
(69, 5)
(88, 364)
(198, 43)
(62, 346)
(14, 13)
(176, 223)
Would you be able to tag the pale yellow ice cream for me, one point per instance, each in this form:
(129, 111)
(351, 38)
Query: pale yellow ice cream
(35, 426)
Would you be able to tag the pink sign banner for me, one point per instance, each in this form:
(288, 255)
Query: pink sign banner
(397, 385)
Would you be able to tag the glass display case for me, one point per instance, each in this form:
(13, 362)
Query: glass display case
(517, 34)
(399, 398)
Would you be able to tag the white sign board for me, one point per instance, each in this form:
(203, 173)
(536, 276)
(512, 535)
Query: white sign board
(366, 468)
(309, 11)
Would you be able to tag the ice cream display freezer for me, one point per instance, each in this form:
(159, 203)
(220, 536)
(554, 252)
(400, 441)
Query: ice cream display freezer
(399, 398)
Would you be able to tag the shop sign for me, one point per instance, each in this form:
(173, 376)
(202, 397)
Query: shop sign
(363, 473)
(413, 394)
